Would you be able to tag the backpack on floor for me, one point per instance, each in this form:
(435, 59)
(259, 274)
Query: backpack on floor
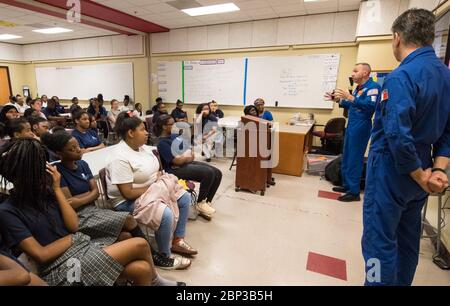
(333, 171)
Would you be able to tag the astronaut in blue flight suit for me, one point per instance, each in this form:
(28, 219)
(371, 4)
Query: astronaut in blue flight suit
(361, 107)
(409, 152)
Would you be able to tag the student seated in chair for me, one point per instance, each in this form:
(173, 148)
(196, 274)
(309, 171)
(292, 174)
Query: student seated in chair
(31, 112)
(182, 164)
(263, 114)
(209, 135)
(127, 104)
(16, 128)
(36, 104)
(113, 113)
(159, 110)
(8, 112)
(38, 220)
(251, 110)
(80, 189)
(215, 111)
(138, 110)
(53, 114)
(100, 114)
(178, 114)
(60, 108)
(74, 107)
(39, 126)
(21, 106)
(132, 169)
(87, 138)
(44, 100)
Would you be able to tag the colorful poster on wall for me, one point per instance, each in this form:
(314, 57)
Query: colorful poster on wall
(379, 77)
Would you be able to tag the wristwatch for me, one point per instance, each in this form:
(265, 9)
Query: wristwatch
(439, 169)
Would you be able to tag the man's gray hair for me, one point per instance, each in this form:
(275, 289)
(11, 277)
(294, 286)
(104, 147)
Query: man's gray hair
(416, 27)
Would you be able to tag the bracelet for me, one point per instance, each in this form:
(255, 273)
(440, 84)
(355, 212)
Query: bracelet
(439, 169)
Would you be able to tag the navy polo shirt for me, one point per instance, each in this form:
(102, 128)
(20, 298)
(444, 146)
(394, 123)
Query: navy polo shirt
(165, 150)
(20, 223)
(218, 114)
(88, 139)
(76, 180)
(178, 114)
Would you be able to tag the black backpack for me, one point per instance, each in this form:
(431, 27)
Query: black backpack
(333, 171)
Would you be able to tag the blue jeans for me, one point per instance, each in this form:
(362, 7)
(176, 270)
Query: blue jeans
(164, 233)
(127, 206)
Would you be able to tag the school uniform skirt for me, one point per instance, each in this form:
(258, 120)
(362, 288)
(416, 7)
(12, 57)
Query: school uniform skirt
(102, 225)
(83, 264)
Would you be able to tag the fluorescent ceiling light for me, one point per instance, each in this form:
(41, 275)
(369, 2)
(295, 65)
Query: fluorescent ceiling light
(56, 30)
(212, 9)
(8, 36)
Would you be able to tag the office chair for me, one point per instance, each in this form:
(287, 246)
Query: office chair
(332, 136)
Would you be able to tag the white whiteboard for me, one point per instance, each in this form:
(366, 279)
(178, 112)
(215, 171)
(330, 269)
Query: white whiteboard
(170, 81)
(86, 81)
(221, 80)
(293, 81)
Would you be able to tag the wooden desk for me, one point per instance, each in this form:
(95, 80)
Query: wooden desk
(294, 141)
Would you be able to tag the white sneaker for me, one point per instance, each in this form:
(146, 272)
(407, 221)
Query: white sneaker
(204, 208)
(210, 206)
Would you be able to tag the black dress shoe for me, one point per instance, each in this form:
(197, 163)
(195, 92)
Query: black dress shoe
(339, 189)
(348, 197)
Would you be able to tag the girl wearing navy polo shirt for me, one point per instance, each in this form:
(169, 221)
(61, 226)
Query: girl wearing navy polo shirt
(87, 138)
(78, 185)
(184, 167)
(37, 219)
(206, 124)
(16, 128)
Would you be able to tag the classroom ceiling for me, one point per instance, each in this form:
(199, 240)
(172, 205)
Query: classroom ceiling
(160, 12)
(110, 17)
(21, 22)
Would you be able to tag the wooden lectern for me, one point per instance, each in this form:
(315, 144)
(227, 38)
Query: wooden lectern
(249, 173)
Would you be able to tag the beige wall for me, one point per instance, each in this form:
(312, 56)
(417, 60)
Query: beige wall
(348, 56)
(378, 53)
(17, 76)
(140, 71)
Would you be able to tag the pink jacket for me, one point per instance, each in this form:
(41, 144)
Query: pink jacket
(149, 207)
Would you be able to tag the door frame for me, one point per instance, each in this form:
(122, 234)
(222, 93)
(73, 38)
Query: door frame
(9, 79)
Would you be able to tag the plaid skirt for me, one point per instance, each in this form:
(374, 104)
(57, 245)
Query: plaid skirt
(83, 264)
(102, 225)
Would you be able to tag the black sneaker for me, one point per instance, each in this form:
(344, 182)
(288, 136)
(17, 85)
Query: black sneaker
(168, 263)
(348, 197)
(208, 160)
(339, 189)
(162, 261)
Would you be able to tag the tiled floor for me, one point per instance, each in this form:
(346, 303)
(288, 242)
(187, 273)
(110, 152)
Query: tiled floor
(255, 240)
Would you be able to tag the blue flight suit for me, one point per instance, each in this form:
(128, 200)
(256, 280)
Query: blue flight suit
(357, 134)
(412, 124)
